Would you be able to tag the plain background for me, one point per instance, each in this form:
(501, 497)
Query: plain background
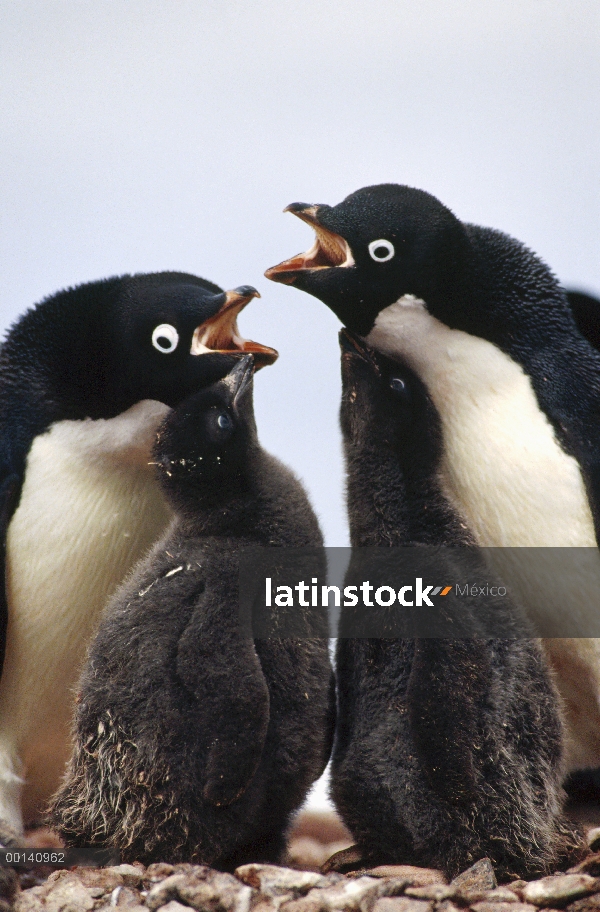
(141, 135)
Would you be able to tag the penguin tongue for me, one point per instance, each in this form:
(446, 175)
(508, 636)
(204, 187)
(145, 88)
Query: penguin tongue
(220, 332)
(329, 249)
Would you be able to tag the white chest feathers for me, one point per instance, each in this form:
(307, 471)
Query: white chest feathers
(89, 509)
(505, 473)
(502, 466)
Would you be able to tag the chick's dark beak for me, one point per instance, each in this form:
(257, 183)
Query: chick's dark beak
(354, 346)
(220, 333)
(240, 377)
(329, 250)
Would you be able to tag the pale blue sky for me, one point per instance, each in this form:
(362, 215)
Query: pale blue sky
(140, 135)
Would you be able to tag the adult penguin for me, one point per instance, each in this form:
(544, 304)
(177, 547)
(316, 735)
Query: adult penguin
(195, 741)
(485, 326)
(86, 377)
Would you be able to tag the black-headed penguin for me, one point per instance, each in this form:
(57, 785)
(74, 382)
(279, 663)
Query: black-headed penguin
(86, 377)
(485, 326)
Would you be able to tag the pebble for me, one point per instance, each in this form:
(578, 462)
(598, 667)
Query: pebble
(434, 892)
(414, 877)
(588, 904)
(29, 901)
(479, 876)
(499, 895)
(558, 890)
(593, 839)
(589, 865)
(272, 880)
(350, 895)
(100, 879)
(503, 907)
(132, 875)
(402, 904)
(69, 896)
(125, 896)
(158, 871)
(174, 906)
(202, 889)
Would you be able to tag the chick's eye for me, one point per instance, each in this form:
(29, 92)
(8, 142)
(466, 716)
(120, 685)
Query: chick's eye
(397, 385)
(381, 251)
(165, 338)
(224, 422)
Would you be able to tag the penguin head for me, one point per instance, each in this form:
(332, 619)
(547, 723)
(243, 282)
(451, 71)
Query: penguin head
(386, 410)
(379, 397)
(96, 350)
(202, 447)
(377, 246)
(176, 338)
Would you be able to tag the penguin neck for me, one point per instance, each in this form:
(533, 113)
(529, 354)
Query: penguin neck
(232, 505)
(386, 501)
(376, 496)
(507, 296)
(257, 507)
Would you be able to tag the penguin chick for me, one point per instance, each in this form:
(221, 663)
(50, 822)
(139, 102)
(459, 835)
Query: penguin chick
(446, 750)
(485, 326)
(86, 377)
(194, 742)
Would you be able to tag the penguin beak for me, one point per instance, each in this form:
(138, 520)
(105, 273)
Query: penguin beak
(238, 379)
(354, 346)
(220, 332)
(329, 249)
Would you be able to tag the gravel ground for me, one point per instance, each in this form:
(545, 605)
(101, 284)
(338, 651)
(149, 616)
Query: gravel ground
(268, 888)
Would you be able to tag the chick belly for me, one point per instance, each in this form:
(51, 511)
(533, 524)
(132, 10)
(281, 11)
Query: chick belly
(77, 532)
(506, 475)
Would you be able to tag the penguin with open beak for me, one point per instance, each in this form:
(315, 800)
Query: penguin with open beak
(488, 331)
(86, 378)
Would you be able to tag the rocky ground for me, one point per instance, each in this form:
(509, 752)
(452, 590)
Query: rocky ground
(299, 887)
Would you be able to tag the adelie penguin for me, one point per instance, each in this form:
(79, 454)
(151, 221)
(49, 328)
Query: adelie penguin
(447, 749)
(86, 377)
(194, 741)
(486, 328)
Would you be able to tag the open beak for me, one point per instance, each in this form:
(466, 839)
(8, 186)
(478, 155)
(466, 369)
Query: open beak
(220, 332)
(329, 249)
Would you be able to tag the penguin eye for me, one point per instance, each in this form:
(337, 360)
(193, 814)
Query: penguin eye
(381, 251)
(165, 338)
(398, 385)
(224, 422)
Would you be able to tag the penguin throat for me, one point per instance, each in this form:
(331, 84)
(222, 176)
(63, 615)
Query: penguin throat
(329, 250)
(220, 333)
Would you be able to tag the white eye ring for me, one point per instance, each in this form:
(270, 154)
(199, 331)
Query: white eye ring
(165, 338)
(376, 246)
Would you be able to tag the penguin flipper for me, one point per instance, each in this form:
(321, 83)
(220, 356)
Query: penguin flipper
(445, 731)
(10, 486)
(223, 672)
